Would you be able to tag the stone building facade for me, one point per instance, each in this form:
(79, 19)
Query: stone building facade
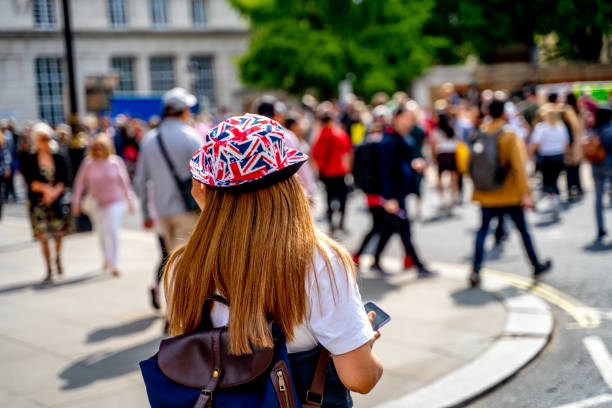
(153, 45)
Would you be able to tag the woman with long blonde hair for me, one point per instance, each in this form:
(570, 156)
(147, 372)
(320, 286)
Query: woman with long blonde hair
(256, 245)
(105, 178)
(549, 140)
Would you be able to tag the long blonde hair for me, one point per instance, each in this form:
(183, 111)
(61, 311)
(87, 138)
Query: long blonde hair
(255, 249)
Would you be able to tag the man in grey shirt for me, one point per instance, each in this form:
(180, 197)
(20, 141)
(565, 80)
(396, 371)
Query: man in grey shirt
(181, 142)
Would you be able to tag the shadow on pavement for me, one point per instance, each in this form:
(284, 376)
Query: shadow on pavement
(375, 288)
(17, 246)
(472, 297)
(103, 366)
(93, 276)
(549, 222)
(124, 329)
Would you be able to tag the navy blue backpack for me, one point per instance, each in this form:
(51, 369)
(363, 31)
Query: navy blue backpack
(196, 370)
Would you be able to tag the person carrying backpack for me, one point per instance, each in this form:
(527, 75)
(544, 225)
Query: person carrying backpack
(497, 169)
(366, 175)
(601, 163)
(255, 271)
(397, 166)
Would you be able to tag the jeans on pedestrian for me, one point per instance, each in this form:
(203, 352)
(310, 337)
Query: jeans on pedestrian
(336, 190)
(107, 220)
(518, 217)
(393, 224)
(573, 177)
(551, 168)
(600, 175)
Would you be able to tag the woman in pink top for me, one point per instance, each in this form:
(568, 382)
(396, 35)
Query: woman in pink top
(104, 175)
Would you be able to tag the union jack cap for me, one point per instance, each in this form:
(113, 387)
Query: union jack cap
(244, 153)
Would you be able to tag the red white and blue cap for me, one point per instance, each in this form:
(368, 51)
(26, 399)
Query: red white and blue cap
(245, 153)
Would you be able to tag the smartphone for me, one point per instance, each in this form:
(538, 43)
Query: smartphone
(381, 318)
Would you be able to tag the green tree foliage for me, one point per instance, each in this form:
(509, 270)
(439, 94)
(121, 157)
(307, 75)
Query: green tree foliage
(303, 44)
(485, 27)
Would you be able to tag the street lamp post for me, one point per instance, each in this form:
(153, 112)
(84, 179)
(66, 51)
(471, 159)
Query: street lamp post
(68, 41)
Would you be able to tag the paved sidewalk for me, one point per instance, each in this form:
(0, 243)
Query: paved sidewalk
(77, 342)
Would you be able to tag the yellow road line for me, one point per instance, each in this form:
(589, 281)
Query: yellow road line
(585, 316)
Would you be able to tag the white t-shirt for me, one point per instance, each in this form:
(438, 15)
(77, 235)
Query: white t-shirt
(335, 319)
(551, 138)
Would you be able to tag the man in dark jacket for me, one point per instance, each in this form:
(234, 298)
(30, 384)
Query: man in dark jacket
(398, 166)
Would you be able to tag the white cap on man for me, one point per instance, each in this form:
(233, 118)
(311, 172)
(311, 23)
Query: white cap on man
(178, 99)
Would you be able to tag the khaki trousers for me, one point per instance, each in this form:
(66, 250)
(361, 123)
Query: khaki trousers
(176, 229)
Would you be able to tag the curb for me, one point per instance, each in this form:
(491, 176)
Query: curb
(528, 328)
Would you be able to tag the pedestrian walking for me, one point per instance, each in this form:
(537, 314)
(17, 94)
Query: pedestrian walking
(549, 140)
(397, 167)
(498, 170)
(46, 175)
(104, 177)
(332, 152)
(256, 245)
(366, 173)
(575, 122)
(10, 143)
(6, 162)
(602, 166)
(163, 166)
(164, 154)
(444, 147)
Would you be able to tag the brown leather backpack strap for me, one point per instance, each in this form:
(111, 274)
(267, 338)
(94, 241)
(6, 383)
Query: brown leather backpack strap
(206, 395)
(314, 395)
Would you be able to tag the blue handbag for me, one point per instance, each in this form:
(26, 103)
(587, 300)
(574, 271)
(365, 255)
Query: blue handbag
(196, 370)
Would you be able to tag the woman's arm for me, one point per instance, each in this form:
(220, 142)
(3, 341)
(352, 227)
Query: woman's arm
(360, 369)
(79, 187)
(126, 186)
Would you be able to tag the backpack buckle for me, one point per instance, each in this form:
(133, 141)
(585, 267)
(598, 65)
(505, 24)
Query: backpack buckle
(314, 398)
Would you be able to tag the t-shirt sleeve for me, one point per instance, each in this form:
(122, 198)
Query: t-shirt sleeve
(337, 316)
(536, 136)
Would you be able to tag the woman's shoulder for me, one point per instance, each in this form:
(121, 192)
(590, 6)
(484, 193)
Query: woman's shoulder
(329, 265)
(115, 159)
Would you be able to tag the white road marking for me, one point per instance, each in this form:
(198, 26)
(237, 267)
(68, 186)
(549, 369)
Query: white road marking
(591, 402)
(600, 355)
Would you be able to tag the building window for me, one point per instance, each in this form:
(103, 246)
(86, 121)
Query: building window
(159, 13)
(162, 73)
(118, 13)
(50, 86)
(125, 67)
(44, 14)
(198, 13)
(203, 81)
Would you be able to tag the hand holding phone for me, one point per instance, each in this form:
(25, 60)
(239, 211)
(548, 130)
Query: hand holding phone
(381, 318)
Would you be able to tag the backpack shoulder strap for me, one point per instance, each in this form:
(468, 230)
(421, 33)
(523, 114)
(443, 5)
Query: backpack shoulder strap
(314, 395)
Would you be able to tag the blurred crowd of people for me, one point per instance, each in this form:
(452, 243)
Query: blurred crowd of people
(384, 147)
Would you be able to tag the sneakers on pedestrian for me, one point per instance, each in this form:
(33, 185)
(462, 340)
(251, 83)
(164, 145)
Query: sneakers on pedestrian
(542, 268)
(474, 280)
(355, 259)
(408, 262)
(425, 273)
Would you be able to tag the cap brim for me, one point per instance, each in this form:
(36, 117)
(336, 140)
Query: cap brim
(191, 100)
